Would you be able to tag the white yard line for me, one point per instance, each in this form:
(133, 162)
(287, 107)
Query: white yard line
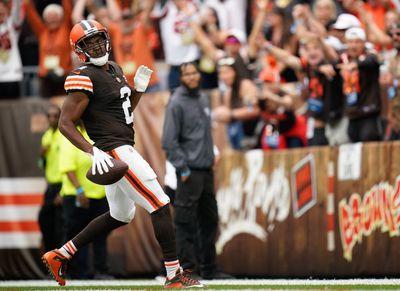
(243, 282)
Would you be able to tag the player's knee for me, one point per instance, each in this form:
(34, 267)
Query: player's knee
(164, 203)
(125, 217)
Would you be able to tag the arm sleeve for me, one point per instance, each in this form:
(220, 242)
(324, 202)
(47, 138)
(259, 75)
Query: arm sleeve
(34, 19)
(170, 138)
(46, 138)
(370, 63)
(67, 5)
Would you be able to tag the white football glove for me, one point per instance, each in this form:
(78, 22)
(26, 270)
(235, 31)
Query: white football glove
(142, 78)
(101, 161)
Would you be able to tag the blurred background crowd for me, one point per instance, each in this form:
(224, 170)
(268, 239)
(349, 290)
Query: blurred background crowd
(281, 73)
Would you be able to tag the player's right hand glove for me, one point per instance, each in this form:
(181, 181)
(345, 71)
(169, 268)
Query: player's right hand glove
(101, 161)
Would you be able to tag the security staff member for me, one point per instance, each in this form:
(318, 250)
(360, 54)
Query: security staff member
(50, 215)
(188, 143)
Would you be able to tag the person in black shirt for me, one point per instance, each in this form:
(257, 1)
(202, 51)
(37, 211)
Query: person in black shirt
(188, 143)
(99, 94)
(360, 72)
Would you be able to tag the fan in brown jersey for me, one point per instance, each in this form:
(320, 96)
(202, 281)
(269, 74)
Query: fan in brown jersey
(99, 94)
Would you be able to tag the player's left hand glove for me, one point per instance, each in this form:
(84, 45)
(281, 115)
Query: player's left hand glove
(142, 78)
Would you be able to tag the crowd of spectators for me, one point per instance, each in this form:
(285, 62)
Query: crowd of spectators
(289, 73)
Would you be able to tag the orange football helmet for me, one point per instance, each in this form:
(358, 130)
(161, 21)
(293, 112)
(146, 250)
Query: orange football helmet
(84, 30)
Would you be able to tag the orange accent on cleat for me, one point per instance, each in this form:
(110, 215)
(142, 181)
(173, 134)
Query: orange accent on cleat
(182, 279)
(56, 263)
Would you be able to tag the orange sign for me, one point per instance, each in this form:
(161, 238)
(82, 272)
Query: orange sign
(304, 192)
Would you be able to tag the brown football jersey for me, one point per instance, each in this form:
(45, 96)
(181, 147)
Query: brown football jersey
(108, 118)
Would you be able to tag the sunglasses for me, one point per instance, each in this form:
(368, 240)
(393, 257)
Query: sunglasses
(226, 62)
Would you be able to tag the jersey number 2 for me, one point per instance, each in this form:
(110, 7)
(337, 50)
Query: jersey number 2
(126, 93)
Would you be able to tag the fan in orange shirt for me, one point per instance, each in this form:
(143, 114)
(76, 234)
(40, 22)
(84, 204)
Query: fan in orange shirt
(133, 40)
(54, 50)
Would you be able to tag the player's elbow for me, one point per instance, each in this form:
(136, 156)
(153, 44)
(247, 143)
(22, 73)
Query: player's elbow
(61, 127)
(64, 125)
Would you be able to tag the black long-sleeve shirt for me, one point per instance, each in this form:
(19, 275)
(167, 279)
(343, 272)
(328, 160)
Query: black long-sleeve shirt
(368, 99)
(187, 138)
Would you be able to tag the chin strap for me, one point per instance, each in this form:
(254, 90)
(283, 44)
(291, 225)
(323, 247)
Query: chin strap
(99, 61)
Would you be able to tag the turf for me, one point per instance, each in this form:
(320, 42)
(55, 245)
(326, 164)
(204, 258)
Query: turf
(355, 284)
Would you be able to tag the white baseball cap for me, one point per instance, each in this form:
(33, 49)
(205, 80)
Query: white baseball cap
(238, 34)
(346, 21)
(355, 33)
(334, 42)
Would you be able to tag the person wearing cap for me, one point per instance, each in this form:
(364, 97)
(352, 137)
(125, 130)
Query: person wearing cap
(233, 45)
(360, 72)
(344, 22)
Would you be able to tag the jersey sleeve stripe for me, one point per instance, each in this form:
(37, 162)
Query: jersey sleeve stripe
(78, 87)
(78, 82)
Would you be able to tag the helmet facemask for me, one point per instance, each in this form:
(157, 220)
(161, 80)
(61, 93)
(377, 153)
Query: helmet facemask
(95, 47)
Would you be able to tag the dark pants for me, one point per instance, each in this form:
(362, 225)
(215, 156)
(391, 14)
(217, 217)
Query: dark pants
(319, 138)
(173, 78)
(9, 90)
(294, 142)
(52, 85)
(196, 221)
(76, 219)
(365, 129)
(50, 219)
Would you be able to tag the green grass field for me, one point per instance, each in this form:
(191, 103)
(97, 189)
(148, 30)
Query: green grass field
(353, 284)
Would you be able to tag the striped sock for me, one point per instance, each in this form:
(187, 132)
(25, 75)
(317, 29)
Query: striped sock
(171, 267)
(68, 250)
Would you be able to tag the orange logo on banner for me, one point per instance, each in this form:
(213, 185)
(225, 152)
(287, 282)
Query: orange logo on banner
(303, 185)
(379, 208)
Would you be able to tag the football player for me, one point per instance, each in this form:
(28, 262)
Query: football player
(99, 94)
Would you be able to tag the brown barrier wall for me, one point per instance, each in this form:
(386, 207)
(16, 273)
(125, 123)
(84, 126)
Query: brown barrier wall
(274, 214)
(297, 247)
